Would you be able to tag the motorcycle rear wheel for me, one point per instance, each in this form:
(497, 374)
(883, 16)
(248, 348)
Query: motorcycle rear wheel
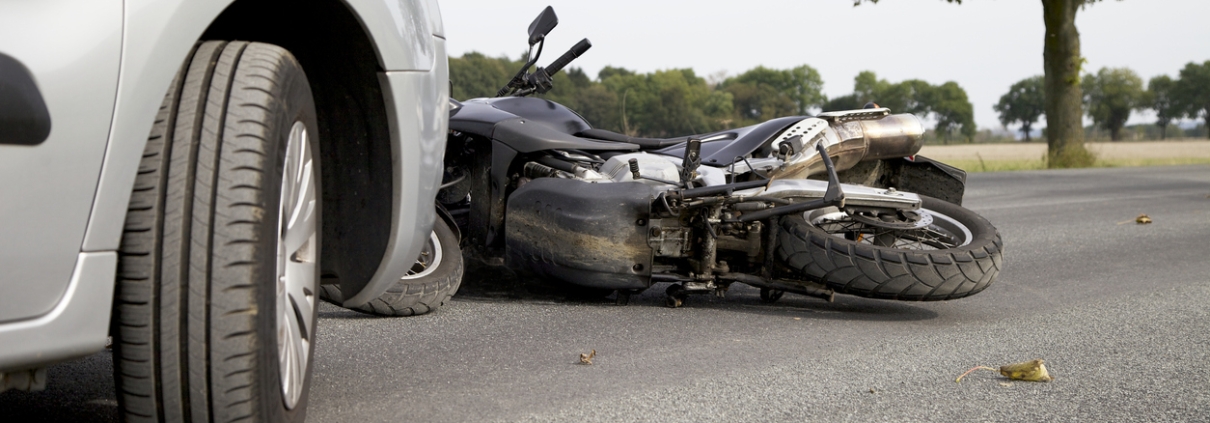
(958, 254)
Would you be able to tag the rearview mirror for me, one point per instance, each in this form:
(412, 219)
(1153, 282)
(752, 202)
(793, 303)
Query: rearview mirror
(542, 25)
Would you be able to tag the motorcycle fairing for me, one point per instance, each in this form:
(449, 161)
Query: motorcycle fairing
(528, 136)
(722, 148)
(554, 115)
(588, 234)
(510, 120)
(528, 124)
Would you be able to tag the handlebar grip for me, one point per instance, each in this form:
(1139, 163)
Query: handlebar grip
(567, 57)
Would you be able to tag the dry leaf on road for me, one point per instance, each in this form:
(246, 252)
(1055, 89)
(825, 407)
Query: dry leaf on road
(587, 358)
(1030, 371)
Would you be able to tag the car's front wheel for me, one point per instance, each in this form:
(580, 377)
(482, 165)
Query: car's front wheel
(215, 312)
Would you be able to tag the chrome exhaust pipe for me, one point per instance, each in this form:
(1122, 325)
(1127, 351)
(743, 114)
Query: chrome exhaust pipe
(849, 142)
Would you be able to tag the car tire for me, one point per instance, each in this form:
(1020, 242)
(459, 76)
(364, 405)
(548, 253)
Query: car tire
(215, 307)
(430, 283)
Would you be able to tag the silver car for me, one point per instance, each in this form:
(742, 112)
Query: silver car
(184, 175)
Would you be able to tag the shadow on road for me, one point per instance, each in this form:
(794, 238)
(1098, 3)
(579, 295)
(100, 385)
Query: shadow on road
(492, 284)
(76, 391)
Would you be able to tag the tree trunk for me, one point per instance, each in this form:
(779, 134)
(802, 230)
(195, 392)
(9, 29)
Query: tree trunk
(1026, 129)
(1064, 107)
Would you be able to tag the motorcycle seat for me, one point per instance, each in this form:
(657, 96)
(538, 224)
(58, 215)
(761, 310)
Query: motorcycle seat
(643, 143)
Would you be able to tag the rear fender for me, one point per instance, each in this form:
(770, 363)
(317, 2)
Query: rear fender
(920, 175)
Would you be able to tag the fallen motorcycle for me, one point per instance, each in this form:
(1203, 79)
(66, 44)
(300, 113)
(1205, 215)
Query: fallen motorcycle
(532, 185)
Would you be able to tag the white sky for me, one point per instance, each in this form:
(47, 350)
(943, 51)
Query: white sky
(984, 45)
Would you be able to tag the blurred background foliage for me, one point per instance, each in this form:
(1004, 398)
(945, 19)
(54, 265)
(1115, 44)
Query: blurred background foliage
(674, 102)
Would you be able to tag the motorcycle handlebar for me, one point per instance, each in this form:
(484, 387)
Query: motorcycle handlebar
(567, 57)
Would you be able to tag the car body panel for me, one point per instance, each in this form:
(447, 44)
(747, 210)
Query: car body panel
(71, 329)
(114, 61)
(71, 48)
(158, 37)
(402, 32)
(408, 95)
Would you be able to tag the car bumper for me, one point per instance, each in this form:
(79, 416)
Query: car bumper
(75, 327)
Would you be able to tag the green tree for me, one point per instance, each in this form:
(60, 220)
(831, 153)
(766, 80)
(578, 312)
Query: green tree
(847, 102)
(668, 103)
(908, 96)
(574, 89)
(952, 110)
(609, 71)
(801, 85)
(475, 75)
(1111, 94)
(762, 93)
(1024, 103)
(1194, 89)
(946, 103)
(632, 93)
(867, 87)
(1062, 62)
(1162, 97)
(755, 103)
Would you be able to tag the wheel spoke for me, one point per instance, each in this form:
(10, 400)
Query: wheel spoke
(300, 297)
(300, 224)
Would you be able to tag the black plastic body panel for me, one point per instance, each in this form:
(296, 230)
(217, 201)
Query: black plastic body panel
(477, 116)
(528, 125)
(24, 119)
(748, 139)
(528, 136)
(582, 233)
(930, 177)
(480, 115)
(552, 114)
(921, 176)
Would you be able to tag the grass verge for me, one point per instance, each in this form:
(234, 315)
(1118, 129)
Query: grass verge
(975, 166)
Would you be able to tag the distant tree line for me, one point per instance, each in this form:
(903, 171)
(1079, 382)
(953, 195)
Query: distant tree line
(1112, 94)
(676, 102)
(947, 103)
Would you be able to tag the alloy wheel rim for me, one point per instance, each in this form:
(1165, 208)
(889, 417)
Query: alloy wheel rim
(296, 265)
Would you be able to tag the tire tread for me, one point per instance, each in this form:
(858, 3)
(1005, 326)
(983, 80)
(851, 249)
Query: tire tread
(880, 272)
(186, 308)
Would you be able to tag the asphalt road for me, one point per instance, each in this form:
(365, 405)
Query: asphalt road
(1119, 311)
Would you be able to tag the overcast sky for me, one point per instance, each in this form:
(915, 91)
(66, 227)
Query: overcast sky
(983, 45)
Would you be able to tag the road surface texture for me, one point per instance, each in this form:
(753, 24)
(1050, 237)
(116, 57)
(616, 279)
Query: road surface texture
(1119, 311)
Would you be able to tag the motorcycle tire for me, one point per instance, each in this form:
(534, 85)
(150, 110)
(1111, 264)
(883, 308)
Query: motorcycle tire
(957, 255)
(430, 283)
